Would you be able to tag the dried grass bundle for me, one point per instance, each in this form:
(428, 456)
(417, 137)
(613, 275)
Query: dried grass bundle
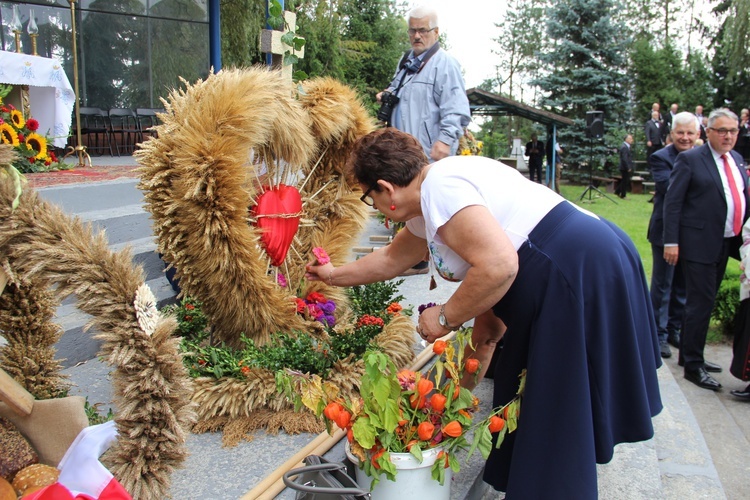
(151, 387)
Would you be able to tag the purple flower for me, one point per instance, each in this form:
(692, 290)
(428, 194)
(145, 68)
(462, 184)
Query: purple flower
(329, 320)
(425, 306)
(328, 307)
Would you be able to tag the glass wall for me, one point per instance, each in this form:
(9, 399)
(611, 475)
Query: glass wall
(130, 52)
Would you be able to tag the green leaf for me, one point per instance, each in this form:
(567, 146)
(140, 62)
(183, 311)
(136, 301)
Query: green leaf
(275, 22)
(454, 463)
(390, 415)
(274, 8)
(388, 467)
(290, 59)
(288, 38)
(364, 432)
(500, 437)
(416, 452)
(299, 75)
(298, 43)
(438, 472)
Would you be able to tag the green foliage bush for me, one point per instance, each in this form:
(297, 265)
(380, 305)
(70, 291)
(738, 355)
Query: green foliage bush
(727, 302)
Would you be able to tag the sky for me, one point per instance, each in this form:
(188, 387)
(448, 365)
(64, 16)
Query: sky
(469, 32)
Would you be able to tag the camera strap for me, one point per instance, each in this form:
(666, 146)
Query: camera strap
(407, 68)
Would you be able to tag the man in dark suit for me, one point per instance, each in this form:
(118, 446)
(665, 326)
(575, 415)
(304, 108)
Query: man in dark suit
(704, 209)
(535, 152)
(668, 122)
(652, 129)
(626, 167)
(667, 283)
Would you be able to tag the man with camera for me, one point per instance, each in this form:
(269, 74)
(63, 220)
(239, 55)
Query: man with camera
(427, 98)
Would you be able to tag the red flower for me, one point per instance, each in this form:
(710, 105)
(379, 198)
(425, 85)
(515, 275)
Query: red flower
(189, 307)
(21, 137)
(32, 124)
(316, 298)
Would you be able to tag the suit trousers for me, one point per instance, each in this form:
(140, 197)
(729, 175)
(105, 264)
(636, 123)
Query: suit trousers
(624, 185)
(701, 285)
(653, 149)
(667, 295)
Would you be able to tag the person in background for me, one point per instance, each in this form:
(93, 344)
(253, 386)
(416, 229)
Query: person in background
(652, 129)
(667, 283)
(740, 366)
(568, 285)
(535, 152)
(626, 167)
(704, 210)
(427, 97)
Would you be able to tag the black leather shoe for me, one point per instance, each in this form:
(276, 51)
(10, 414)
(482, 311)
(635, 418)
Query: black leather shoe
(674, 340)
(743, 395)
(702, 379)
(664, 349)
(712, 367)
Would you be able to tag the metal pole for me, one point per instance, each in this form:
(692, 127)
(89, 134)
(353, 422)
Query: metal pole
(80, 149)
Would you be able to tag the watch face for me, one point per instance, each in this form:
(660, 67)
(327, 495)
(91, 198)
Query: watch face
(441, 320)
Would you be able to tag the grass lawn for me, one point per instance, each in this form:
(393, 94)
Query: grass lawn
(632, 215)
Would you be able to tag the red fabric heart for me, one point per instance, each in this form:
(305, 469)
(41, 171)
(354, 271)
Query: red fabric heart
(277, 215)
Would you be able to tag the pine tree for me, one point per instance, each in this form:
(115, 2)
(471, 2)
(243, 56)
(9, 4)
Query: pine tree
(586, 61)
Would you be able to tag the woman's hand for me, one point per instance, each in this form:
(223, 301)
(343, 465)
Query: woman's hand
(322, 273)
(428, 326)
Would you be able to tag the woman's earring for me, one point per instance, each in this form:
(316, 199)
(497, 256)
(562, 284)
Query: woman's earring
(393, 207)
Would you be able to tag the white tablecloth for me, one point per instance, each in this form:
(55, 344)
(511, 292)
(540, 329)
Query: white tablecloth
(50, 95)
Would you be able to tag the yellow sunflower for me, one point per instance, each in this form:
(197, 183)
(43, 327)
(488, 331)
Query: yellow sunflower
(8, 134)
(38, 143)
(17, 118)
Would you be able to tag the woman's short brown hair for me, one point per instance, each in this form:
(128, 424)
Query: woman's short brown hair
(387, 154)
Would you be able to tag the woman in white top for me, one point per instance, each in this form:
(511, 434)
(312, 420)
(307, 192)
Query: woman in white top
(569, 286)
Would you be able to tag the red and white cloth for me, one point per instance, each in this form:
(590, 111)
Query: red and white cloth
(82, 475)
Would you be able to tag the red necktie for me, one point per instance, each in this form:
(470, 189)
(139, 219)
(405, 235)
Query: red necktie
(737, 219)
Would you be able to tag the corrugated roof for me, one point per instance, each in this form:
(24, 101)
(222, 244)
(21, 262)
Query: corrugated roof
(483, 103)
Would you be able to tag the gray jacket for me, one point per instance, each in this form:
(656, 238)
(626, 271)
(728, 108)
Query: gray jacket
(433, 105)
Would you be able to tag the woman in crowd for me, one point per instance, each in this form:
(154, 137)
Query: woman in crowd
(569, 286)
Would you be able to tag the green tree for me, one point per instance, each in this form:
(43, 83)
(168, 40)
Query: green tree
(657, 76)
(731, 62)
(587, 72)
(320, 24)
(241, 22)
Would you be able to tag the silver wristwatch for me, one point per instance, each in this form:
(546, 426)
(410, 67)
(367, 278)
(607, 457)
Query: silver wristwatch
(444, 322)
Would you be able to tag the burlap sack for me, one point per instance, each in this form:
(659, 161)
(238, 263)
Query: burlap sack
(51, 427)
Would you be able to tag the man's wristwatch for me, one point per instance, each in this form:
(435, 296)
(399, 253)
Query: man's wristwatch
(444, 322)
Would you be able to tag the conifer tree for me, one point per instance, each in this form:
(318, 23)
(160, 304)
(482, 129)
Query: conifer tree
(586, 60)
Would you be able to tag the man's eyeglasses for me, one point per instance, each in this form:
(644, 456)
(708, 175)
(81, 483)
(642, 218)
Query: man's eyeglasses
(421, 31)
(367, 199)
(724, 131)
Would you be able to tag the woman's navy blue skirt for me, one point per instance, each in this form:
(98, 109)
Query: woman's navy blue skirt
(580, 321)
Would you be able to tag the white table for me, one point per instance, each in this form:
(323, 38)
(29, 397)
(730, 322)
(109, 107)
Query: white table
(51, 97)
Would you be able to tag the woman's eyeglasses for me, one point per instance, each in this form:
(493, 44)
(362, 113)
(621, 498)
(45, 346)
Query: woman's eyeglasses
(367, 199)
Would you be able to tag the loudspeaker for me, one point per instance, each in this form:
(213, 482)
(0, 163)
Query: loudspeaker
(595, 124)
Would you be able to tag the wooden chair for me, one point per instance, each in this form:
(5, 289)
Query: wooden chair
(124, 130)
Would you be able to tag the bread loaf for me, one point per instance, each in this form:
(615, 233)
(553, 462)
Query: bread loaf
(6, 490)
(17, 453)
(35, 475)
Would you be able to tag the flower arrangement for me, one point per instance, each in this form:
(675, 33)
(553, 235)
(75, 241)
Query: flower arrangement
(410, 412)
(32, 147)
(373, 305)
(469, 146)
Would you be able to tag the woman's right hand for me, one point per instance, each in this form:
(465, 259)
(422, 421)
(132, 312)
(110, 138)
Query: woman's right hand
(316, 272)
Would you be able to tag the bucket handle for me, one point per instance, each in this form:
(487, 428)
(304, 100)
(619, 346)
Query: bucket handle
(320, 489)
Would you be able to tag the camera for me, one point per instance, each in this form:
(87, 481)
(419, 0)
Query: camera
(388, 102)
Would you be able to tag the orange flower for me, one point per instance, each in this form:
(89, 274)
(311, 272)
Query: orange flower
(496, 424)
(472, 365)
(437, 401)
(453, 429)
(424, 386)
(425, 431)
(332, 411)
(438, 347)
